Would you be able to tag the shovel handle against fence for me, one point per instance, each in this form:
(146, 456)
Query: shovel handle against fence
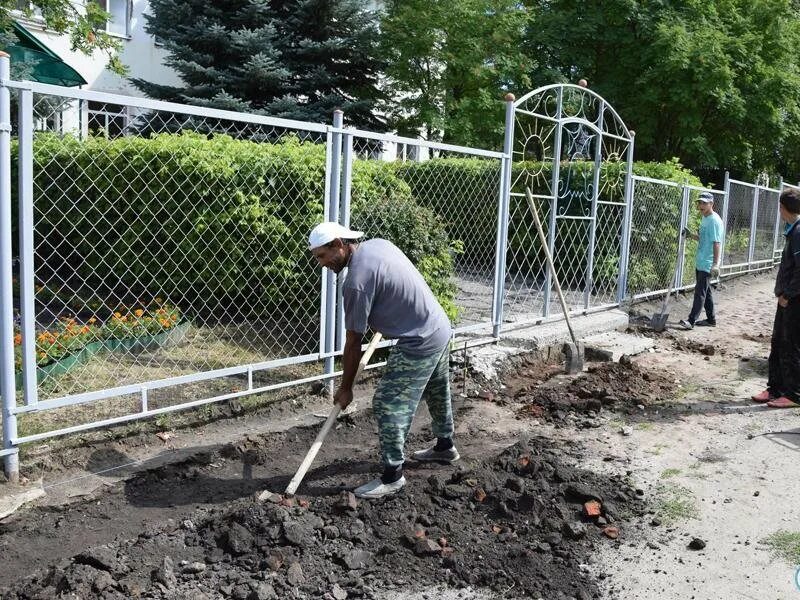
(323, 433)
(546, 248)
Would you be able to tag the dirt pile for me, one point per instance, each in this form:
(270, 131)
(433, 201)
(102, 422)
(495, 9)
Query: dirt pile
(619, 386)
(522, 523)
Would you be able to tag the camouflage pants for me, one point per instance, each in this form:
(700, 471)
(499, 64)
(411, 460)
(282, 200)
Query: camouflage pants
(407, 378)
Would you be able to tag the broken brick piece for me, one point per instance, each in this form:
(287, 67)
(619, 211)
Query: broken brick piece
(611, 532)
(592, 508)
(479, 495)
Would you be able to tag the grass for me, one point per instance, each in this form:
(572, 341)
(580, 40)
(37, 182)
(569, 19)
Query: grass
(784, 545)
(645, 426)
(656, 450)
(669, 473)
(675, 503)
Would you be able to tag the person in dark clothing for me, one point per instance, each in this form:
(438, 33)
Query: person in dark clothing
(783, 385)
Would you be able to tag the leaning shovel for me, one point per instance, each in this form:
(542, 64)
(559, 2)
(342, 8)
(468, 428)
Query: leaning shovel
(323, 433)
(574, 352)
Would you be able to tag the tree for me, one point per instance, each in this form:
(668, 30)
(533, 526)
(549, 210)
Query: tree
(295, 59)
(85, 25)
(714, 82)
(449, 63)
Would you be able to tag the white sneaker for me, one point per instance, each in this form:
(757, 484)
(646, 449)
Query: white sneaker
(450, 455)
(377, 489)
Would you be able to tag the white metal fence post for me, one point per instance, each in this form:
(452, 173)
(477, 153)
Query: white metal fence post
(598, 164)
(682, 223)
(7, 377)
(726, 189)
(27, 308)
(627, 221)
(344, 219)
(777, 234)
(332, 214)
(753, 229)
(556, 180)
(503, 208)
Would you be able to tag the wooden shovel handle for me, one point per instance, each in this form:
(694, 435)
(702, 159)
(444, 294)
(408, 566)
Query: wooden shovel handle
(323, 433)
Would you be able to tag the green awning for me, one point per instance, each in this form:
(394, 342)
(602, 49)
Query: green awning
(43, 64)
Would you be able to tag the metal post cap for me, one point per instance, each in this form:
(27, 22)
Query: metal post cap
(510, 97)
(4, 54)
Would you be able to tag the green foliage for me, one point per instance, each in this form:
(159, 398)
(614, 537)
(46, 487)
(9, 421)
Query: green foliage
(447, 63)
(84, 23)
(384, 206)
(298, 59)
(210, 223)
(716, 83)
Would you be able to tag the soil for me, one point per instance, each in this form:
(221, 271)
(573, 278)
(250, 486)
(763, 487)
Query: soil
(691, 480)
(513, 523)
(622, 386)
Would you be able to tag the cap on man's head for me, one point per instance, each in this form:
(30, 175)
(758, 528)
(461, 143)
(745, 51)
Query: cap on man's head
(325, 233)
(705, 197)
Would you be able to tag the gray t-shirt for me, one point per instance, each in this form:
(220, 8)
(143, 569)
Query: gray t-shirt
(384, 290)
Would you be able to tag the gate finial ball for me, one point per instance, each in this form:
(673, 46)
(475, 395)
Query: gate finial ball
(510, 97)
(583, 83)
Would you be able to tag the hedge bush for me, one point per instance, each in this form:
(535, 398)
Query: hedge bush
(215, 224)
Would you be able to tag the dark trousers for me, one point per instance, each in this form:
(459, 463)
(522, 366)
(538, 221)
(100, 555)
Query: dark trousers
(702, 297)
(784, 355)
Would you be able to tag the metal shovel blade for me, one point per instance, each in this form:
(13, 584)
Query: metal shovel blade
(658, 322)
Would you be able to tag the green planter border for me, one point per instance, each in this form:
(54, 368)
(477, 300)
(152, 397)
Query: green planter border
(138, 344)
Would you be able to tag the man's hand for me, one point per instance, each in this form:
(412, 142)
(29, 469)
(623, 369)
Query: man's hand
(714, 270)
(343, 397)
(783, 301)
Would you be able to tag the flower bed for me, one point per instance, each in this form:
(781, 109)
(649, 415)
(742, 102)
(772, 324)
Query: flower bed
(69, 343)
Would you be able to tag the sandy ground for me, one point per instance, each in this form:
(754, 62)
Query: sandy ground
(735, 461)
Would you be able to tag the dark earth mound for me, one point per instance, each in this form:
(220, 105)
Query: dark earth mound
(515, 523)
(619, 386)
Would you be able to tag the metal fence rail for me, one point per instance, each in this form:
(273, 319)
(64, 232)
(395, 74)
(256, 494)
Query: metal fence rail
(153, 255)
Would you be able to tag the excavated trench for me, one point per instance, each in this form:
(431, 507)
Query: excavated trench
(517, 516)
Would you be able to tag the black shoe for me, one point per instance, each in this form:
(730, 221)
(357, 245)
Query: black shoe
(686, 324)
(706, 323)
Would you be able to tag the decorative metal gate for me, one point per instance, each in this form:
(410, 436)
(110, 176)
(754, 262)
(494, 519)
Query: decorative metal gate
(574, 152)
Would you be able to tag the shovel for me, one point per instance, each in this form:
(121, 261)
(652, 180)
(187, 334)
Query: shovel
(658, 322)
(323, 433)
(574, 351)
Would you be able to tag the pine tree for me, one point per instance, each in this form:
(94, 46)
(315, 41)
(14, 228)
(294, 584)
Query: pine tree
(297, 59)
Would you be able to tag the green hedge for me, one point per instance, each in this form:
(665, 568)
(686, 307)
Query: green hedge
(216, 225)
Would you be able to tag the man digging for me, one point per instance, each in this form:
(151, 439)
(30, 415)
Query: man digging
(384, 291)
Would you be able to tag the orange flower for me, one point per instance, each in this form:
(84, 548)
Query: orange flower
(159, 300)
(138, 312)
(18, 339)
(42, 355)
(92, 321)
(85, 329)
(117, 315)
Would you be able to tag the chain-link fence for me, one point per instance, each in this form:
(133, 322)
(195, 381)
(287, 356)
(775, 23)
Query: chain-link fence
(154, 256)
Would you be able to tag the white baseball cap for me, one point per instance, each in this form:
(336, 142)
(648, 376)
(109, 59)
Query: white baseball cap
(324, 233)
(705, 197)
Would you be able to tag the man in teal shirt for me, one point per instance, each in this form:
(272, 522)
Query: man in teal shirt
(709, 246)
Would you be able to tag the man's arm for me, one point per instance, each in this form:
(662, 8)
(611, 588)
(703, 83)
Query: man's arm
(792, 289)
(352, 354)
(715, 264)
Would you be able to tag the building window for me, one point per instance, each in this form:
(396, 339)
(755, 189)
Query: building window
(109, 120)
(120, 21)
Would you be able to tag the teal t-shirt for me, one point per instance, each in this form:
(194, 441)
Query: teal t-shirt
(711, 230)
